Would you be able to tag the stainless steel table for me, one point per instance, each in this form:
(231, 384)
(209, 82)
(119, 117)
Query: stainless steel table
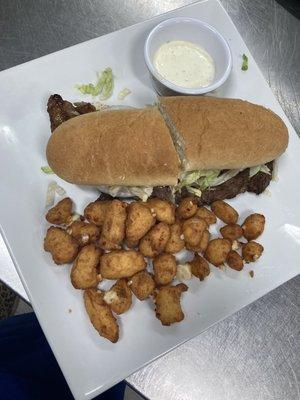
(255, 354)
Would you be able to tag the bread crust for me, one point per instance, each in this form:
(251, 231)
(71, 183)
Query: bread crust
(129, 147)
(225, 133)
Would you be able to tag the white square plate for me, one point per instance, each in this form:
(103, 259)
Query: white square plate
(90, 363)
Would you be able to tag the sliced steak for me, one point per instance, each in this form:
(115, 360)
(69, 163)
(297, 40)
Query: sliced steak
(234, 186)
(105, 197)
(259, 182)
(183, 194)
(60, 110)
(228, 190)
(163, 193)
(84, 108)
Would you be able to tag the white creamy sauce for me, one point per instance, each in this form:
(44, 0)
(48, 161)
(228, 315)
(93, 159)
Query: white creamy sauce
(185, 64)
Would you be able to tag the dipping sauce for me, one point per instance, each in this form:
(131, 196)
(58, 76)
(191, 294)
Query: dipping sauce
(185, 64)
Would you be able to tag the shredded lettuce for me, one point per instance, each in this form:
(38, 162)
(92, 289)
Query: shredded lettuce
(52, 189)
(189, 177)
(104, 85)
(143, 192)
(123, 93)
(197, 181)
(203, 178)
(88, 88)
(47, 170)
(194, 181)
(50, 194)
(225, 177)
(60, 190)
(259, 168)
(254, 170)
(208, 180)
(108, 85)
(193, 190)
(245, 63)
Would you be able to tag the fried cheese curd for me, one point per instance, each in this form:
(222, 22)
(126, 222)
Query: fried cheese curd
(167, 304)
(113, 229)
(252, 251)
(61, 213)
(101, 315)
(62, 246)
(235, 261)
(142, 285)
(135, 245)
(208, 216)
(224, 212)
(199, 267)
(217, 251)
(95, 212)
(119, 297)
(139, 221)
(193, 229)
(187, 208)
(84, 232)
(163, 210)
(84, 273)
(176, 240)
(154, 242)
(121, 264)
(165, 268)
(253, 226)
(203, 243)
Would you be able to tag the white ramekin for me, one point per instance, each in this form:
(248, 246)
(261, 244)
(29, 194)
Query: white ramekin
(196, 31)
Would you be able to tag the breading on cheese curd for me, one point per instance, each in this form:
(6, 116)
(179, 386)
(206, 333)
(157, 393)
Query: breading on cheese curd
(138, 222)
(253, 226)
(84, 273)
(167, 303)
(113, 229)
(224, 212)
(193, 229)
(142, 285)
(61, 213)
(84, 232)
(199, 267)
(95, 212)
(155, 241)
(217, 251)
(187, 208)
(163, 210)
(176, 241)
(208, 216)
(62, 246)
(121, 264)
(101, 315)
(202, 245)
(252, 251)
(164, 268)
(119, 297)
(231, 232)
